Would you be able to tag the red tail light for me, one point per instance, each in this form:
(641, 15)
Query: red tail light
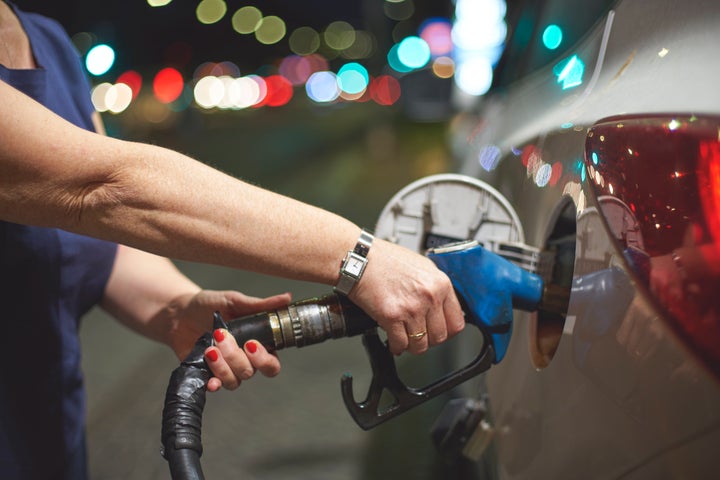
(666, 170)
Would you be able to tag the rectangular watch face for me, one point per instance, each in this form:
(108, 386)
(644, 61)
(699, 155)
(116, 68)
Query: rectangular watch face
(354, 265)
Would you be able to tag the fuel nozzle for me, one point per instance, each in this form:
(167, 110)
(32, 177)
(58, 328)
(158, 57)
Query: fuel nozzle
(491, 286)
(554, 299)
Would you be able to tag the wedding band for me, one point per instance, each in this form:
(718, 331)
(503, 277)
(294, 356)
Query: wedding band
(417, 336)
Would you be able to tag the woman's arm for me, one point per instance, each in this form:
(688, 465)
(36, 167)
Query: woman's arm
(157, 200)
(55, 174)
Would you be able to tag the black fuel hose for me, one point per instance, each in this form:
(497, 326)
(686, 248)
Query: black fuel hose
(300, 324)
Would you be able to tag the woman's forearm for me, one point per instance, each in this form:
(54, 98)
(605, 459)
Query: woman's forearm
(172, 205)
(142, 292)
(55, 174)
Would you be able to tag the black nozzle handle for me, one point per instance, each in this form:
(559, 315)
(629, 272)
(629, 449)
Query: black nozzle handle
(300, 324)
(373, 411)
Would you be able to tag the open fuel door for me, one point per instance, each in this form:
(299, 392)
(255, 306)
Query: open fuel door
(447, 208)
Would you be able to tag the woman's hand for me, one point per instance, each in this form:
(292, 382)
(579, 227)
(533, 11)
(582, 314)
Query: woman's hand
(409, 297)
(232, 364)
(151, 296)
(229, 362)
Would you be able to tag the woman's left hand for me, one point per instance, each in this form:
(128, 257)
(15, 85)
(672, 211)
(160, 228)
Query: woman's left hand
(229, 362)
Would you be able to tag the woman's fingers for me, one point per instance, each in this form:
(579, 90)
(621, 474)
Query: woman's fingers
(417, 339)
(239, 304)
(265, 362)
(231, 365)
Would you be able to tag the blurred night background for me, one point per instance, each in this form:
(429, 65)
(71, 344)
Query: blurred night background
(336, 103)
(348, 101)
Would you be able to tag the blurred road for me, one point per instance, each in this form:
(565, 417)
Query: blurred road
(295, 425)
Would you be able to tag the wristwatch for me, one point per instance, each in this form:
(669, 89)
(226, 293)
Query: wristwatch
(354, 263)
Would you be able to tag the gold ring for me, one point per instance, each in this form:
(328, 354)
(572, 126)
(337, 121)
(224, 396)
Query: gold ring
(417, 336)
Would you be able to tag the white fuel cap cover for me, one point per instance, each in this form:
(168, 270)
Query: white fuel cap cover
(446, 208)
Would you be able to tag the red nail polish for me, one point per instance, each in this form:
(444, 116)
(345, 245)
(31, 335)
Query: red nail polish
(251, 347)
(212, 355)
(219, 335)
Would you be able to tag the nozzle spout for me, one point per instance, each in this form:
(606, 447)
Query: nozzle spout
(554, 299)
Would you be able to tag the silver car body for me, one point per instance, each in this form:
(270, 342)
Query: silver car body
(614, 393)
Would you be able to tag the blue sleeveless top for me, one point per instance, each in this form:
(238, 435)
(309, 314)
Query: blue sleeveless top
(49, 278)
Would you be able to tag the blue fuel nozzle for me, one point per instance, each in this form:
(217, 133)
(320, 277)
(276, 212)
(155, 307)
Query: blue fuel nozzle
(490, 288)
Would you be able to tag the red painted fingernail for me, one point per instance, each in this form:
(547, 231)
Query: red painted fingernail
(251, 347)
(219, 335)
(212, 355)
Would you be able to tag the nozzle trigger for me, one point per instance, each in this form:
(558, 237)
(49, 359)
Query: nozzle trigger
(368, 414)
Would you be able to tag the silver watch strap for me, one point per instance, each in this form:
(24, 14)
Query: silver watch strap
(345, 284)
(346, 280)
(362, 247)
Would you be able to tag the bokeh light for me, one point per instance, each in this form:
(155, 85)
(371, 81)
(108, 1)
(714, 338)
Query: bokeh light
(296, 69)
(478, 34)
(210, 11)
(491, 10)
(529, 154)
(470, 36)
(271, 30)
(437, 32)
(132, 79)
(489, 157)
(317, 63)
(279, 91)
(246, 20)
(262, 88)
(363, 46)
(322, 87)
(168, 85)
(230, 92)
(158, 3)
(385, 90)
(474, 76)
(209, 91)
(399, 10)
(557, 170)
(107, 97)
(246, 92)
(552, 37)
(394, 60)
(413, 52)
(119, 97)
(542, 177)
(359, 97)
(569, 72)
(443, 67)
(353, 78)
(100, 59)
(98, 96)
(339, 35)
(304, 41)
